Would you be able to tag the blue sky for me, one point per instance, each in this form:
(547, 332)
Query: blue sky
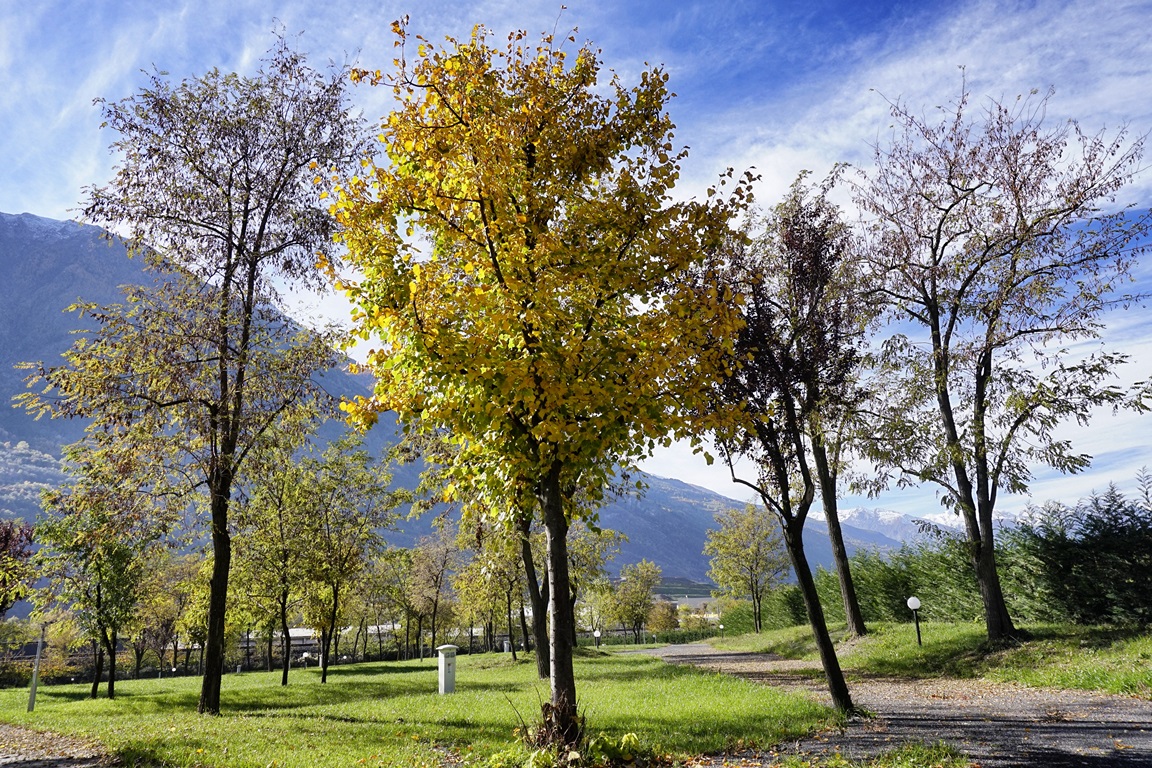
(781, 86)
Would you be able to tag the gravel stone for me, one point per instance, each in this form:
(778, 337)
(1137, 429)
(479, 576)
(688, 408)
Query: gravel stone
(27, 748)
(996, 725)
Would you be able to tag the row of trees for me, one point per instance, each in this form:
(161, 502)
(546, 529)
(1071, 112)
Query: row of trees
(310, 552)
(547, 309)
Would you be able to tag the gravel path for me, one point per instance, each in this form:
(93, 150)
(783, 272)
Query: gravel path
(993, 724)
(33, 749)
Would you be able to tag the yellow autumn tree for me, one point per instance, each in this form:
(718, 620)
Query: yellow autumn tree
(533, 287)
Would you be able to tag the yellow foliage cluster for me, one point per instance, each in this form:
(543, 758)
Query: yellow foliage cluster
(535, 288)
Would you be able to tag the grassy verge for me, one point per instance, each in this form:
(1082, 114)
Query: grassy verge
(1060, 656)
(389, 714)
(937, 755)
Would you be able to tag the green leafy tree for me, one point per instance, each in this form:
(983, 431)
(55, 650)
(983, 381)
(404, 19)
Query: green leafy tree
(382, 599)
(193, 624)
(274, 543)
(541, 317)
(16, 573)
(216, 187)
(347, 503)
(590, 550)
(598, 605)
(747, 554)
(663, 617)
(154, 624)
(433, 560)
(167, 599)
(635, 595)
(995, 237)
(97, 534)
(390, 579)
(492, 577)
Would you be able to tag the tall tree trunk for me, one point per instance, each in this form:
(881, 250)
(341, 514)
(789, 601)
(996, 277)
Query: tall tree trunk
(511, 636)
(827, 482)
(528, 645)
(329, 639)
(572, 608)
(407, 633)
(380, 637)
(793, 539)
(325, 647)
(561, 714)
(757, 595)
(538, 596)
(110, 639)
(997, 621)
(982, 553)
(97, 667)
(360, 627)
(285, 640)
(213, 649)
(977, 512)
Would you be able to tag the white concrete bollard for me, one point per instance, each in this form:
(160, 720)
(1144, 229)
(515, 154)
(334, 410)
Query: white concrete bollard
(447, 668)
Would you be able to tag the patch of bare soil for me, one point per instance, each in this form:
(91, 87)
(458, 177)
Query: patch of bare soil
(993, 724)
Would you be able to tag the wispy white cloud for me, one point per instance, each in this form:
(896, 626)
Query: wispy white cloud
(781, 86)
(1099, 60)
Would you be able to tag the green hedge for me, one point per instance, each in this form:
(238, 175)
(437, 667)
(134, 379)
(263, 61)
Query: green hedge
(1089, 564)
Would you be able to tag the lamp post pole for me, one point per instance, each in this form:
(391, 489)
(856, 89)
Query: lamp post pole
(36, 667)
(914, 604)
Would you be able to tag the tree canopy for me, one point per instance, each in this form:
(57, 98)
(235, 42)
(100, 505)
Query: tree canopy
(747, 554)
(996, 243)
(216, 188)
(521, 266)
(791, 376)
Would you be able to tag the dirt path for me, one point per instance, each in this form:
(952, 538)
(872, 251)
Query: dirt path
(26, 748)
(993, 724)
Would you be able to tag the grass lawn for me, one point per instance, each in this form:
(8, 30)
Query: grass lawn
(390, 714)
(1061, 656)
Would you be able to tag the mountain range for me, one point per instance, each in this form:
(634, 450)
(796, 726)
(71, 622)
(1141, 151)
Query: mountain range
(46, 265)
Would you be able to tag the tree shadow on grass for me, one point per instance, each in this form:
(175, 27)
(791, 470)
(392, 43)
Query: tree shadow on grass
(713, 733)
(300, 695)
(375, 669)
(956, 655)
(1090, 637)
